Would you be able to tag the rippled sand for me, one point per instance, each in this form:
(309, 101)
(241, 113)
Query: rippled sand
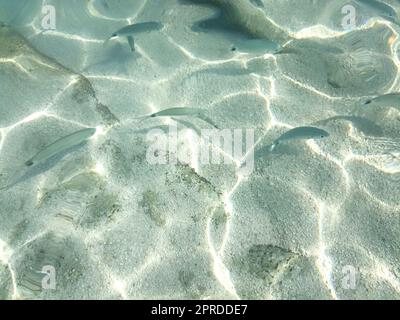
(114, 226)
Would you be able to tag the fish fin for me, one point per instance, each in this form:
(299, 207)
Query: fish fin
(131, 42)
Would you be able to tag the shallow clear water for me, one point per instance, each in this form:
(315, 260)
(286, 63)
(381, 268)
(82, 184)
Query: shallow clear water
(153, 207)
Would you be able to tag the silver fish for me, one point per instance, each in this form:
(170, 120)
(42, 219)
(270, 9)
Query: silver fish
(386, 100)
(61, 145)
(300, 133)
(176, 112)
(53, 149)
(260, 46)
(141, 27)
(133, 29)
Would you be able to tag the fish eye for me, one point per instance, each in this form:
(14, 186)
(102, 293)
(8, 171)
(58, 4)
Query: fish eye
(233, 49)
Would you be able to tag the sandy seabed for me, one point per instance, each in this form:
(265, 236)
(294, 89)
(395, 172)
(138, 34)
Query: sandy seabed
(116, 227)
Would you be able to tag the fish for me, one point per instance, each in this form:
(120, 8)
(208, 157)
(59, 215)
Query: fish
(57, 147)
(178, 112)
(136, 28)
(386, 100)
(61, 145)
(257, 46)
(133, 29)
(303, 133)
(300, 133)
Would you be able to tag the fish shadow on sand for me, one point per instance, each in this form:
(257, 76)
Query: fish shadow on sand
(117, 57)
(146, 130)
(265, 153)
(165, 128)
(281, 149)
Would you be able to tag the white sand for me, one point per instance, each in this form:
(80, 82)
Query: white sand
(114, 226)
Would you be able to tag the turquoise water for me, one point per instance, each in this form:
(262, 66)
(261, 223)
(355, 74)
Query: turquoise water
(295, 198)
